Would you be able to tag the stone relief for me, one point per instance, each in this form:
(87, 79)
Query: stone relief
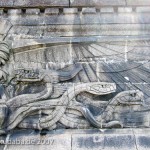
(63, 107)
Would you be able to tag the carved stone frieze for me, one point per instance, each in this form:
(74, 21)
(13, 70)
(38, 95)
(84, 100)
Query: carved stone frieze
(61, 102)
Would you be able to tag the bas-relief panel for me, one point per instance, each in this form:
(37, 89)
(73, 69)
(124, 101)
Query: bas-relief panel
(60, 87)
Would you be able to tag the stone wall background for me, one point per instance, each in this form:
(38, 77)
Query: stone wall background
(114, 33)
(110, 38)
(70, 3)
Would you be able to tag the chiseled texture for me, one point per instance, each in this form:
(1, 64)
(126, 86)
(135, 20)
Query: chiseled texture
(33, 3)
(97, 2)
(67, 3)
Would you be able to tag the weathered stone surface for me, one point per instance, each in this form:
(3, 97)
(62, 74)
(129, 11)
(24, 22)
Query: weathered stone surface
(70, 10)
(138, 2)
(124, 9)
(6, 3)
(37, 32)
(102, 141)
(96, 2)
(14, 12)
(81, 140)
(142, 9)
(33, 3)
(58, 40)
(76, 3)
(67, 57)
(90, 18)
(4, 26)
(107, 10)
(31, 140)
(32, 11)
(51, 11)
(126, 139)
(88, 10)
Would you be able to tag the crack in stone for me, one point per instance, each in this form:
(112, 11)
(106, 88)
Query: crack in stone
(135, 139)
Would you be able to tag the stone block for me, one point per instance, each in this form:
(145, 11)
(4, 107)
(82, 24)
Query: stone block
(142, 9)
(103, 141)
(138, 2)
(125, 18)
(51, 11)
(14, 11)
(88, 10)
(143, 142)
(6, 3)
(124, 9)
(107, 10)
(47, 19)
(97, 3)
(90, 19)
(70, 10)
(32, 11)
(36, 141)
(33, 3)
(63, 19)
(114, 139)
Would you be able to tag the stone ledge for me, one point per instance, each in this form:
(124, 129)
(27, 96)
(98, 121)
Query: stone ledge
(142, 9)
(79, 19)
(97, 3)
(134, 139)
(33, 3)
(138, 2)
(137, 10)
(72, 3)
(23, 44)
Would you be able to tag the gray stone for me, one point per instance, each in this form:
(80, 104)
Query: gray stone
(70, 10)
(6, 3)
(81, 140)
(143, 9)
(14, 12)
(4, 26)
(32, 11)
(138, 2)
(124, 9)
(97, 2)
(74, 65)
(33, 3)
(107, 10)
(1, 12)
(77, 19)
(36, 141)
(88, 10)
(90, 19)
(51, 11)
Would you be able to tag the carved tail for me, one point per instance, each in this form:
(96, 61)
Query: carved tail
(69, 95)
(99, 124)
